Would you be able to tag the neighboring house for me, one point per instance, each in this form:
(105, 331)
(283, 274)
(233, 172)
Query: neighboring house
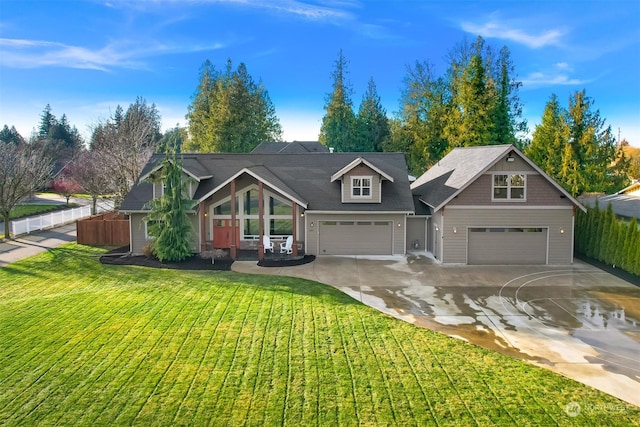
(492, 205)
(625, 203)
(331, 203)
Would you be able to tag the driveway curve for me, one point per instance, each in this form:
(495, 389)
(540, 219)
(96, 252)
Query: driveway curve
(575, 320)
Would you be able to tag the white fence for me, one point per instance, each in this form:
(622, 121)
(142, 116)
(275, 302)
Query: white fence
(50, 220)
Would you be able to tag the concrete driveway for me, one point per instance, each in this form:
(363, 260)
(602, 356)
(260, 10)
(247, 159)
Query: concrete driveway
(576, 320)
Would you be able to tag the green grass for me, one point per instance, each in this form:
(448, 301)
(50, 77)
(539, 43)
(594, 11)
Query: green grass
(22, 211)
(86, 344)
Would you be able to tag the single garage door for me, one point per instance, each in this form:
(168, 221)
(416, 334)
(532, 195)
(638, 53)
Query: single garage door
(507, 245)
(355, 237)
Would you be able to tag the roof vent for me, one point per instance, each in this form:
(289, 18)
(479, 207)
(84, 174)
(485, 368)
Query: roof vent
(331, 149)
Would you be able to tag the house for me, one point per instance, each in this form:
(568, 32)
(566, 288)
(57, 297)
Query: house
(331, 203)
(492, 205)
(625, 203)
(480, 205)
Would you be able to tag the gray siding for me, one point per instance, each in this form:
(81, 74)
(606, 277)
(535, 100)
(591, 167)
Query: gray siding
(138, 241)
(560, 249)
(361, 170)
(312, 232)
(539, 192)
(416, 230)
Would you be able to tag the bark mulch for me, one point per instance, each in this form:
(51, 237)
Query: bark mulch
(120, 256)
(193, 263)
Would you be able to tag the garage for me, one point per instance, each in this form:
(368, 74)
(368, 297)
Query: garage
(355, 237)
(507, 245)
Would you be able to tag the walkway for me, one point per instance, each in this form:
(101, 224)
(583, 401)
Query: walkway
(32, 244)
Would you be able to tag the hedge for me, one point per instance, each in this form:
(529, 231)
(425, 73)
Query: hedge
(601, 236)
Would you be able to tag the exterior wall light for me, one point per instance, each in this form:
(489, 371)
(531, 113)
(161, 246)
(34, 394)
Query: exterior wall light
(562, 231)
(455, 229)
(311, 225)
(399, 225)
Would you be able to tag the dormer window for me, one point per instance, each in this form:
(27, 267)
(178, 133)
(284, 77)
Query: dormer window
(361, 186)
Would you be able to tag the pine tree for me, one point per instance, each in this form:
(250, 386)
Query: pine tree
(372, 125)
(338, 124)
(168, 220)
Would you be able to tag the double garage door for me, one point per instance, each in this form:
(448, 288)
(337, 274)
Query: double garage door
(507, 245)
(355, 238)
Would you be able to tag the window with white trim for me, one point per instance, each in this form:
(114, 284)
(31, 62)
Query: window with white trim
(361, 186)
(509, 187)
(148, 225)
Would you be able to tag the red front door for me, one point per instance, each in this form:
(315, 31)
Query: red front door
(222, 233)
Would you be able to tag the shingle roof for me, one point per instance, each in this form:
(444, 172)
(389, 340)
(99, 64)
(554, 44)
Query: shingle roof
(290, 147)
(455, 171)
(304, 176)
(462, 166)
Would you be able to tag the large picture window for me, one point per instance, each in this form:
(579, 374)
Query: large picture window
(509, 187)
(361, 186)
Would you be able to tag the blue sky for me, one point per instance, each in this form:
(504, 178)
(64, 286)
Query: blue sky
(85, 57)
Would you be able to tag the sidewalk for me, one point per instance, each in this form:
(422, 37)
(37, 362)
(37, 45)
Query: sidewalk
(35, 243)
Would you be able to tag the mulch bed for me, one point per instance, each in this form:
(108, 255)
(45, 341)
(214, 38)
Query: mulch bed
(120, 256)
(193, 263)
(265, 262)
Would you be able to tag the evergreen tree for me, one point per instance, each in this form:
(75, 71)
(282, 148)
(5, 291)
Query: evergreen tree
(507, 110)
(629, 238)
(11, 136)
(372, 125)
(47, 121)
(422, 119)
(168, 220)
(594, 147)
(230, 112)
(338, 124)
(549, 140)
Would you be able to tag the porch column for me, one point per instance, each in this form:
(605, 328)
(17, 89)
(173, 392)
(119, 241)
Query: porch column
(203, 227)
(234, 247)
(260, 219)
(294, 248)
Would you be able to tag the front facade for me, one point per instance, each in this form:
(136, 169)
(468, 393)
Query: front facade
(492, 205)
(479, 206)
(330, 203)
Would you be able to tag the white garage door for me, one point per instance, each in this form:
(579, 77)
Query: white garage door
(355, 237)
(507, 245)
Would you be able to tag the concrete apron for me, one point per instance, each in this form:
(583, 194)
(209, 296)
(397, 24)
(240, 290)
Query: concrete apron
(576, 320)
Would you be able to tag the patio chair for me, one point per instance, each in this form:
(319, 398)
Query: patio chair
(268, 245)
(286, 247)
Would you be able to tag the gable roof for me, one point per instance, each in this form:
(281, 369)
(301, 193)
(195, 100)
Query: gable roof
(304, 178)
(461, 167)
(357, 162)
(290, 147)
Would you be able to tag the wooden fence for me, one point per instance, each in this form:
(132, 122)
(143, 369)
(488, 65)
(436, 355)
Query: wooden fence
(110, 229)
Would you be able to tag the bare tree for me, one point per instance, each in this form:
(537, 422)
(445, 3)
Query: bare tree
(91, 172)
(129, 141)
(23, 170)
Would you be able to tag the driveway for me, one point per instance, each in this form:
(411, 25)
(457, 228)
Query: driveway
(576, 320)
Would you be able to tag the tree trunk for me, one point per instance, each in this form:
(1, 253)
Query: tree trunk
(7, 226)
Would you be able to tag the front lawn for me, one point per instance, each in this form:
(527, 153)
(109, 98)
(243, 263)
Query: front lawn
(22, 211)
(82, 343)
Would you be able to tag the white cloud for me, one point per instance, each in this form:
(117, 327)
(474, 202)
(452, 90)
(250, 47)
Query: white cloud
(499, 30)
(22, 53)
(563, 66)
(540, 79)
